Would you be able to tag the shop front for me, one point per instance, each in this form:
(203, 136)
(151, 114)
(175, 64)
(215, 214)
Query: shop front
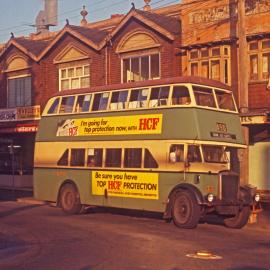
(17, 140)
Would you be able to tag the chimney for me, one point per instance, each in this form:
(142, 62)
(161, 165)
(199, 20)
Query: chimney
(51, 9)
(47, 17)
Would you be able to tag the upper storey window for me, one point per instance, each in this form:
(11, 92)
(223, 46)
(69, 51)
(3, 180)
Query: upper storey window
(259, 60)
(73, 68)
(74, 77)
(140, 55)
(211, 63)
(19, 92)
(141, 68)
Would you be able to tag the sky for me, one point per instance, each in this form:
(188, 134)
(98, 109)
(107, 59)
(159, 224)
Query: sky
(16, 16)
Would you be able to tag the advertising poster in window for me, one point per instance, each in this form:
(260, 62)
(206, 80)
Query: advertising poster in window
(118, 125)
(125, 184)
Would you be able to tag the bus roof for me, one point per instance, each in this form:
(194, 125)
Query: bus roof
(184, 79)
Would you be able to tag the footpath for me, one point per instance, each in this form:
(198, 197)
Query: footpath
(26, 196)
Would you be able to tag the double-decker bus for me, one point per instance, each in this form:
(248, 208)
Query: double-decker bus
(166, 145)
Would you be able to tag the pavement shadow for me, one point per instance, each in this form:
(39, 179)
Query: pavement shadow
(17, 210)
(13, 195)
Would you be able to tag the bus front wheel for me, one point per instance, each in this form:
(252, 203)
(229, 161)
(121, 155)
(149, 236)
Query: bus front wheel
(185, 210)
(70, 199)
(240, 220)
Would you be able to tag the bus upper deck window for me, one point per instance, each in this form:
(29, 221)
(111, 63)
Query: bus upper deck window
(204, 96)
(54, 107)
(100, 101)
(194, 154)
(83, 103)
(119, 100)
(225, 100)
(67, 104)
(180, 95)
(138, 98)
(159, 96)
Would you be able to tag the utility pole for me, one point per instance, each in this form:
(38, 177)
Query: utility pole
(243, 86)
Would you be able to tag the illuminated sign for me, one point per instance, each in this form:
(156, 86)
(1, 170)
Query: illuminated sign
(115, 125)
(125, 184)
(20, 114)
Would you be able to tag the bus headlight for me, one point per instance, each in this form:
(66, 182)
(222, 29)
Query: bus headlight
(210, 197)
(257, 198)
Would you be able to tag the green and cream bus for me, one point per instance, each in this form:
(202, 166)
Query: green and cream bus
(166, 145)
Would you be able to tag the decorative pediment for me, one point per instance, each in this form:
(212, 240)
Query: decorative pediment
(137, 41)
(70, 54)
(16, 63)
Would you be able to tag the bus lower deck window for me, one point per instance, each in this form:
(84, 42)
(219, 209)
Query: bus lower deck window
(77, 157)
(113, 157)
(133, 158)
(94, 157)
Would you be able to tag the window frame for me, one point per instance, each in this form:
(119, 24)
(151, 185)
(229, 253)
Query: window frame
(149, 55)
(224, 59)
(83, 66)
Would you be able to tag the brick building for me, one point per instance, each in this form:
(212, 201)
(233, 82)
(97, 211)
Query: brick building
(189, 38)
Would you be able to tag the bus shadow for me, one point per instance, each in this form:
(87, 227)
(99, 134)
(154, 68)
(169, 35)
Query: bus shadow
(123, 212)
(17, 210)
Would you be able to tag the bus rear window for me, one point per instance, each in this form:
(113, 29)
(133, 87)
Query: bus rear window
(180, 95)
(54, 107)
(225, 100)
(214, 154)
(204, 96)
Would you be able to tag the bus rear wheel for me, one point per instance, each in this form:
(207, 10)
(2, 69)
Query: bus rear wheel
(185, 210)
(70, 199)
(240, 220)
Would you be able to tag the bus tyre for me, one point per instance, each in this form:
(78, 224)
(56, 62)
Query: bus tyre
(70, 199)
(240, 220)
(185, 210)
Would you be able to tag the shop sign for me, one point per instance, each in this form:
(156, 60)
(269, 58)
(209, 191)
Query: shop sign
(22, 129)
(255, 119)
(20, 114)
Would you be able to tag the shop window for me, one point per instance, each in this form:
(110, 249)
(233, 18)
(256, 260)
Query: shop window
(259, 60)
(119, 100)
(77, 157)
(74, 77)
(19, 92)
(113, 157)
(133, 158)
(159, 96)
(194, 154)
(67, 104)
(100, 101)
(149, 160)
(138, 98)
(176, 153)
(141, 68)
(180, 95)
(211, 63)
(63, 161)
(83, 103)
(94, 157)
